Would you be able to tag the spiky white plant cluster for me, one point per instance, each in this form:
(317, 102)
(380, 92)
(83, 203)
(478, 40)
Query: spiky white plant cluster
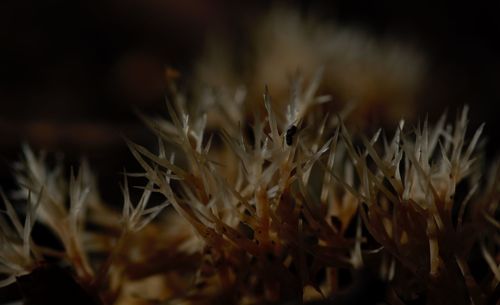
(16, 254)
(268, 209)
(67, 207)
(46, 193)
(272, 195)
(408, 190)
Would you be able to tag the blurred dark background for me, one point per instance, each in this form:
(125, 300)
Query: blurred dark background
(71, 72)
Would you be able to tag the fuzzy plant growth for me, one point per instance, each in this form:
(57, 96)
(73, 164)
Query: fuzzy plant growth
(283, 207)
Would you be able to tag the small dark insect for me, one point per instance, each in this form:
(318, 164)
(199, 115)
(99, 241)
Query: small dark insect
(289, 134)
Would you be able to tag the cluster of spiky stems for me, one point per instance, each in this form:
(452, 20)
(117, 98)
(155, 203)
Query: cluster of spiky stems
(272, 214)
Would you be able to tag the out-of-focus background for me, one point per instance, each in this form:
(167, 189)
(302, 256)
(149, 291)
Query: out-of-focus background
(72, 72)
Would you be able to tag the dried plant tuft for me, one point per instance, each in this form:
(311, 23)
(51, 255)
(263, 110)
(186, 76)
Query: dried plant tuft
(284, 207)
